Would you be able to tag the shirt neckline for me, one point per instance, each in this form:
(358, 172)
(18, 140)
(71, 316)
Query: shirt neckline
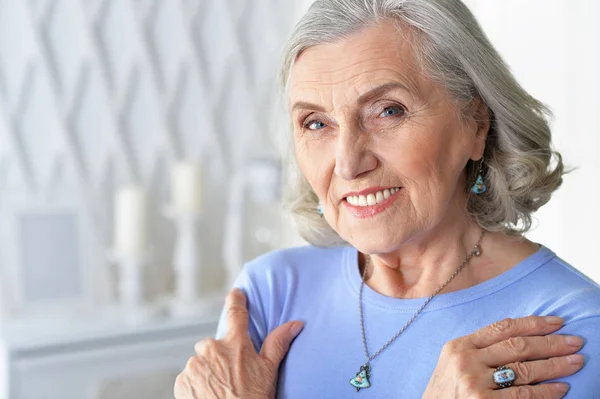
(440, 301)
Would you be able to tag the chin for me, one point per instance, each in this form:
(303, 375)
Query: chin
(374, 243)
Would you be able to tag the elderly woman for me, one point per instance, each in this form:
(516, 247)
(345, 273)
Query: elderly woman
(420, 162)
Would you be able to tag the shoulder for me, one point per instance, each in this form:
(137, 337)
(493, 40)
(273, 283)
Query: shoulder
(278, 282)
(294, 272)
(296, 255)
(585, 382)
(565, 291)
(292, 263)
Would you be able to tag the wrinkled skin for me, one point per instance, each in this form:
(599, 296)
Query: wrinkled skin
(466, 364)
(230, 368)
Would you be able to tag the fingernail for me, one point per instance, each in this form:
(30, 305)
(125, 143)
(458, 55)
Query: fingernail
(296, 328)
(562, 387)
(574, 341)
(576, 360)
(554, 320)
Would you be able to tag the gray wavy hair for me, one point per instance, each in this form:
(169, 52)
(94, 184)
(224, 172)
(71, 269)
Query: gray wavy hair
(521, 170)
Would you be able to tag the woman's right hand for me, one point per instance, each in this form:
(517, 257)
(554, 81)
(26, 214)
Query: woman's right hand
(230, 367)
(526, 345)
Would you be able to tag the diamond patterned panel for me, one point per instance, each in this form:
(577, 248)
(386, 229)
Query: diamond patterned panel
(169, 51)
(64, 42)
(143, 125)
(4, 131)
(260, 42)
(218, 41)
(118, 89)
(195, 120)
(39, 129)
(235, 120)
(117, 39)
(14, 54)
(92, 128)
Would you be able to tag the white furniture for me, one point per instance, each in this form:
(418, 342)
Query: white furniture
(98, 358)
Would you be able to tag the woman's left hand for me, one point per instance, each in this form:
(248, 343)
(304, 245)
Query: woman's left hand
(230, 368)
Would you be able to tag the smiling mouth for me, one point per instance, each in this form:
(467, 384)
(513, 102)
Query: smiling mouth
(373, 198)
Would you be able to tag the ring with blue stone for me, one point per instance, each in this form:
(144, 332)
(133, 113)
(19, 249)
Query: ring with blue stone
(504, 376)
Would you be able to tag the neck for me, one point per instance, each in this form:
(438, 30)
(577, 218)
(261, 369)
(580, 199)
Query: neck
(420, 267)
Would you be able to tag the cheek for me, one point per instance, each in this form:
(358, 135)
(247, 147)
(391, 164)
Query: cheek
(417, 158)
(425, 163)
(314, 160)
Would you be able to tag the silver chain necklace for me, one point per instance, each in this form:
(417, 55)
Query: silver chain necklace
(361, 380)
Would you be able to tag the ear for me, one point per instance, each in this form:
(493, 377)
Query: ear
(482, 117)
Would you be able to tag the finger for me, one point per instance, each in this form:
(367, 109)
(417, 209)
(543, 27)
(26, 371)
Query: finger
(237, 314)
(184, 388)
(181, 387)
(207, 347)
(504, 329)
(554, 390)
(210, 350)
(520, 349)
(211, 384)
(536, 371)
(278, 342)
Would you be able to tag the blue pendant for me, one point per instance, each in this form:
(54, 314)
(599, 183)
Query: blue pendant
(479, 187)
(361, 380)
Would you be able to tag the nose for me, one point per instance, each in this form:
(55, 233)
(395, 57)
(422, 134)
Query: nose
(353, 157)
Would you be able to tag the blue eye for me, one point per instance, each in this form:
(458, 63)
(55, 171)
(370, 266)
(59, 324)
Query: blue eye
(314, 125)
(391, 111)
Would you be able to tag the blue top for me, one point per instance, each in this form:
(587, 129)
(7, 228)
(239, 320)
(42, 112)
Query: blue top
(320, 287)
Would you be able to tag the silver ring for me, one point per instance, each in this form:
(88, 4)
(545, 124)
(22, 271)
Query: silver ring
(504, 376)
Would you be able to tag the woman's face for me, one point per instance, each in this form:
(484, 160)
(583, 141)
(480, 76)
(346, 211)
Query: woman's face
(382, 146)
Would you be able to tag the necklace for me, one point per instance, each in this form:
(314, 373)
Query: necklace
(361, 380)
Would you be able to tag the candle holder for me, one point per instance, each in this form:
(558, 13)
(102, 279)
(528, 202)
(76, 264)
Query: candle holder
(187, 265)
(132, 306)
(257, 181)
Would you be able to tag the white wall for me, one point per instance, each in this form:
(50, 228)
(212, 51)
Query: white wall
(553, 48)
(96, 94)
(99, 94)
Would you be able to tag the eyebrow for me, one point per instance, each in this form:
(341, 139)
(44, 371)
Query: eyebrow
(364, 98)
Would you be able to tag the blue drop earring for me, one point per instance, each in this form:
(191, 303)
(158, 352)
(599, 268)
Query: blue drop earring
(320, 209)
(479, 186)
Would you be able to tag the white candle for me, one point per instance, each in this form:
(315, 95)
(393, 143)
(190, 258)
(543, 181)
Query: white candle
(130, 221)
(187, 187)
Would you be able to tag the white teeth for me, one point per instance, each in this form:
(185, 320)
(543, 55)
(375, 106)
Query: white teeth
(373, 198)
(362, 200)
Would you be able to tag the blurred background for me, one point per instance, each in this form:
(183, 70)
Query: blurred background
(139, 168)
